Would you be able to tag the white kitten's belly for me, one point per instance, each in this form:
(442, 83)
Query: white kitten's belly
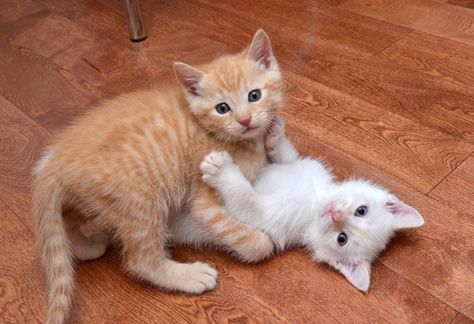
(292, 178)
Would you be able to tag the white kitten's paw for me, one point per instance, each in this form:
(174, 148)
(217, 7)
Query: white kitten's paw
(273, 135)
(198, 278)
(212, 164)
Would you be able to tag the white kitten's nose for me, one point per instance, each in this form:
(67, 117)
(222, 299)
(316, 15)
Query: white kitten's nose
(334, 213)
(336, 216)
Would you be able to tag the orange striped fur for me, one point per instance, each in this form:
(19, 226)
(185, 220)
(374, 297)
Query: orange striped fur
(133, 162)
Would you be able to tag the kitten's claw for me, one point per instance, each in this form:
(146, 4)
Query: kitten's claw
(273, 135)
(212, 164)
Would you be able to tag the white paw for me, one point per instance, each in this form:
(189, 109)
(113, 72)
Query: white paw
(199, 277)
(273, 135)
(212, 164)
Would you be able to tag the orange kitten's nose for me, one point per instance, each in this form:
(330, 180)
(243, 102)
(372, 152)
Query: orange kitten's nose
(245, 122)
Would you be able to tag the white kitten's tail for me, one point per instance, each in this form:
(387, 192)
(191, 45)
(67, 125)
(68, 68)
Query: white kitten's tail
(53, 243)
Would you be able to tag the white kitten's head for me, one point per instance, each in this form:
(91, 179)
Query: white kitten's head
(235, 97)
(356, 225)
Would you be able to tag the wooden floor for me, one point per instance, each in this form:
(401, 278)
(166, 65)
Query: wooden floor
(378, 88)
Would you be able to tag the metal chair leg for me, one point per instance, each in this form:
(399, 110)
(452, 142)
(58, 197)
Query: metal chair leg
(134, 18)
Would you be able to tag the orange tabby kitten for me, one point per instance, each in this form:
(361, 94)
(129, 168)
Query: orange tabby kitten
(134, 161)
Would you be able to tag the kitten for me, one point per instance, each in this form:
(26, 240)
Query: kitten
(297, 202)
(135, 159)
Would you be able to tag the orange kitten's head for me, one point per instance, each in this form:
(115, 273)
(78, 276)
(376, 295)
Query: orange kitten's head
(236, 96)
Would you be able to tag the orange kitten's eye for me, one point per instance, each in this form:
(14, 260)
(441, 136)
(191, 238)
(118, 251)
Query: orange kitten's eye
(361, 211)
(255, 95)
(222, 108)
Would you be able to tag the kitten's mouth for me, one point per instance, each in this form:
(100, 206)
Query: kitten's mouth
(249, 129)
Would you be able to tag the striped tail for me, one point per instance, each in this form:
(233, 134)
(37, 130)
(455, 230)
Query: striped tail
(53, 244)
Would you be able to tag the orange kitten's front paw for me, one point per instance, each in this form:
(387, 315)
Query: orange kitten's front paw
(213, 164)
(197, 278)
(256, 248)
(273, 135)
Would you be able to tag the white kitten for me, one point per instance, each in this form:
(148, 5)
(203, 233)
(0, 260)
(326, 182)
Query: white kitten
(297, 202)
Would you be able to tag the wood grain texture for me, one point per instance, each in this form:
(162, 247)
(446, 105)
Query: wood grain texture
(461, 3)
(314, 26)
(22, 286)
(442, 103)
(457, 189)
(379, 89)
(48, 86)
(440, 19)
(435, 56)
(418, 155)
(20, 145)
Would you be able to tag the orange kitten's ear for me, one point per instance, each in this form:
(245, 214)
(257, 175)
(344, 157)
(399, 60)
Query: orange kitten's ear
(188, 76)
(260, 49)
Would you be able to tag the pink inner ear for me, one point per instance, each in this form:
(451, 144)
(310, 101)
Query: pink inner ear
(189, 77)
(404, 216)
(261, 49)
(358, 274)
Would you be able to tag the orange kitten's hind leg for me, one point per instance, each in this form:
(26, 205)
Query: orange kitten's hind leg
(143, 241)
(250, 244)
(84, 247)
(88, 248)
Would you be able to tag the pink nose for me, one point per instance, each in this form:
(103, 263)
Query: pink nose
(245, 122)
(334, 214)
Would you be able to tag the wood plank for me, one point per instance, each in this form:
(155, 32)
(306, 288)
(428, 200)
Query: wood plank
(315, 293)
(55, 95)
(435, 18)
(135, 302)
(418, 155)
(461, 3)
(19, 150)
(13, 9)
(437, 257)
(461, 319)
(21, 282)
(440, 57)
(457, 189)
(313, 25)
(442, 103)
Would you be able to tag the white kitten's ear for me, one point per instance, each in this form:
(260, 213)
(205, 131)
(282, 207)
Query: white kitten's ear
(404, 216)
(357, 274)
(188, 76)
(260, 49)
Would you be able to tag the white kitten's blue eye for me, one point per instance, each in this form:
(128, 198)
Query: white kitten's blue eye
(361, 211)
(255, 95)
(342, 239)
(222, 108)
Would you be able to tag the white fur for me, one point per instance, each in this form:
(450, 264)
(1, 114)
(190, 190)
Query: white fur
(290, 201)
